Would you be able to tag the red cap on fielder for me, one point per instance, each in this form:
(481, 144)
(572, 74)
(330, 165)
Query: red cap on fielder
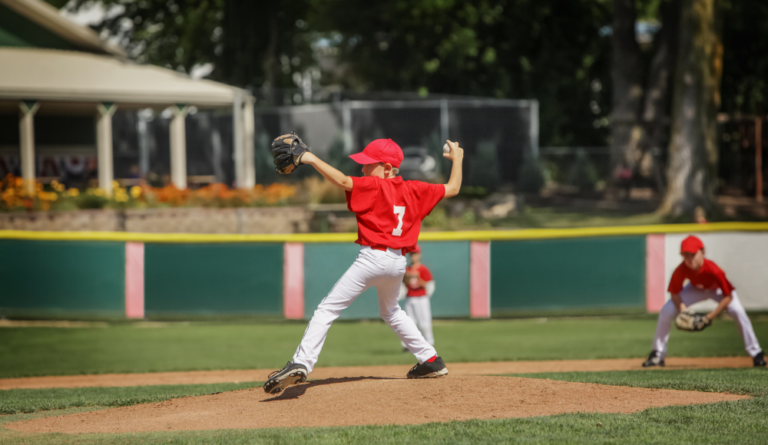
(691, 245)
(380, 150)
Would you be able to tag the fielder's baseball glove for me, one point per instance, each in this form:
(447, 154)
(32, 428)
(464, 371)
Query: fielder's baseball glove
(690, 321)
(287, 151)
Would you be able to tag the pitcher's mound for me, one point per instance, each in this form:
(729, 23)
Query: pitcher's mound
(371, 400)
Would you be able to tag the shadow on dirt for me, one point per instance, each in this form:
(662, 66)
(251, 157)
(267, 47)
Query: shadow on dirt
(294, 392)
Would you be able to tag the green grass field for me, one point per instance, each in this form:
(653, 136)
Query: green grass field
(155, 347)
(195, 346)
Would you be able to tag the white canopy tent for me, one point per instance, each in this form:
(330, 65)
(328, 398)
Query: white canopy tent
(100, 79)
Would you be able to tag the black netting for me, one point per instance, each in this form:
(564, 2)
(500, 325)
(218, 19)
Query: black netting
(495, 140)
(495, 135)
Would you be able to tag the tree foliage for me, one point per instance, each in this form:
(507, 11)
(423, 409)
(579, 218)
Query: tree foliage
(550, 50)
(177, 34)
(249, 44)
(556, 51)
(745, 70)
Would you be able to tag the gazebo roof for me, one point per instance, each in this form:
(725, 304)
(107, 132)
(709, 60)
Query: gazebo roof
(70, 76)
(48, 19)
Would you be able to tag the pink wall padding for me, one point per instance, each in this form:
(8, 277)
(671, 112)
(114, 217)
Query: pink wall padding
(655, 285)
(293, 281)
(134, 280)
(480, 279)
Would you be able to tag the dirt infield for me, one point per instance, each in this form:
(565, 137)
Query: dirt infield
(456, 369)
(371, 401)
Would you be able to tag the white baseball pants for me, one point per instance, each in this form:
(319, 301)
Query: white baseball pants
(383, 270)
(691, 295)
(420, 311)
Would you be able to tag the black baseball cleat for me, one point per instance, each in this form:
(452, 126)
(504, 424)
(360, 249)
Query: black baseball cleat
(654, 359)
(759, 360)
(291, 374)
(433, 367)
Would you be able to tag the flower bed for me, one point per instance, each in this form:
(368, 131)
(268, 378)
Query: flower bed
(55, 196)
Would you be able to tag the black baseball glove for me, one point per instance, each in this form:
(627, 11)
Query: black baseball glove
(287, 151)
(690, 321)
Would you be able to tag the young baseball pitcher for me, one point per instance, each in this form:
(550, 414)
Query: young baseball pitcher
(707, 281)
(419, 286)
(389, 212)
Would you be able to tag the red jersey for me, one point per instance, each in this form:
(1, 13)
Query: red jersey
(389, 211)
(709, 277)
(412, 283)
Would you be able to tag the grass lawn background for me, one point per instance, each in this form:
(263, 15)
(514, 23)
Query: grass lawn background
(189, 346)
(128, 348)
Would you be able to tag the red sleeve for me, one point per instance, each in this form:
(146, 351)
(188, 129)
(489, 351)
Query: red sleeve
(425, 274)
(363, 194)
(676, 282)
(429, 196)
(723, 282)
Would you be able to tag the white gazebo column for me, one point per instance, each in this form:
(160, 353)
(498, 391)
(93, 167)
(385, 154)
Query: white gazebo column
(27, 143)
(104, 145)
(249, 166)
(179, 146)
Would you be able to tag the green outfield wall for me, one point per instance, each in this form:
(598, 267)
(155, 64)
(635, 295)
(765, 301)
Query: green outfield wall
(231, 279)
(62, 277)
(449, 263)
(325, 263)
(575, 273)
(477, 274)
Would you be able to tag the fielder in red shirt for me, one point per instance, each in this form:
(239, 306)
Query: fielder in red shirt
(706, 281)
(389, 212)
(419, 286)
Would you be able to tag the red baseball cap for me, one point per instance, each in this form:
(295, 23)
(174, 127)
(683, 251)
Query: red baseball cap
(416, 249)
(380, 150)
(691, 245)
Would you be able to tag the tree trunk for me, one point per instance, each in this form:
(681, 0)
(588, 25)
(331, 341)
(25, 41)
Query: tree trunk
(626, 73)
(656, 104)
(692, 166)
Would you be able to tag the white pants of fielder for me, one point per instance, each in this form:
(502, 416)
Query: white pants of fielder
(692, 295)
(420, 311)
(383, 270)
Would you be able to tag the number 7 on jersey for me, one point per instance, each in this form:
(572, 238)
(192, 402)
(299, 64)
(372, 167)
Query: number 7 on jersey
(400, 212)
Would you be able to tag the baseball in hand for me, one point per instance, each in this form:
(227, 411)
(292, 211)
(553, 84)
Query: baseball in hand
(446, 148)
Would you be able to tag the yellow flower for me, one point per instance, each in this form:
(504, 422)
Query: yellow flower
(115, 185)
(73, 192)
(135, 191)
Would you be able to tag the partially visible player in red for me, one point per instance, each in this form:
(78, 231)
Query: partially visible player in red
(419, 286)
(389, 212)
(707, 281)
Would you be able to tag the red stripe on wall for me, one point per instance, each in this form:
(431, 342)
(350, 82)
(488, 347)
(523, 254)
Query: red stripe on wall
(134, 280)
(480, 279)
(655, 282)
(293, 281)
